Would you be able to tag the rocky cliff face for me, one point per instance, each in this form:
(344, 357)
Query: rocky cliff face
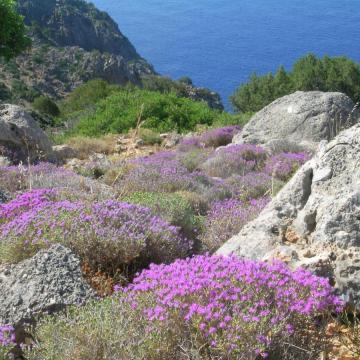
(72, 43)
(76, 23)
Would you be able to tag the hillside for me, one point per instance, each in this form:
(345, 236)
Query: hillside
(72, 42)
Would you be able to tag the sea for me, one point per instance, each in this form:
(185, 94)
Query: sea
(220, 43)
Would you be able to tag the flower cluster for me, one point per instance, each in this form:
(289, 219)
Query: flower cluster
(283, 165)
(235, 159)
(236, 307)
(7, 336)
(107, 234)
(227, 218)
(219, 137)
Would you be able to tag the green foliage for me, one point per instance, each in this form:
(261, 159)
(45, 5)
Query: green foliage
(20, 90)
(86, 95)
(149, 137)
(172, 207)
(308, 73)
(186, 80)
(5, 93)
(13, 39)
(46, 106)
(127, 107)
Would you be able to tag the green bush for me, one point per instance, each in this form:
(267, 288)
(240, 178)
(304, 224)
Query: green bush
(126, 108)
(86, 95)
(308, 73)
(46, 106)
(149, 137)
(173, 208)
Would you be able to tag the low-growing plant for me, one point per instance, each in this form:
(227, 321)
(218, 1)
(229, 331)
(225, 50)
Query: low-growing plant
(219, 136)
(226, 218)
(86, 146)
(108, 235)
(282, 166)
(47, 175)
(173, 208)
(7, 340)
(207, 307)
(45, 105)
(235, 159)
(149, 137)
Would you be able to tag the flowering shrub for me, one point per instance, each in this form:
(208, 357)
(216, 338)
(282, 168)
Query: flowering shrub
(220, 136)
(284, 165)
(7, 340)
(207, 307)
(173, 208)
(235, 159)
(107, 235)
(237, 308)
(226, 218)
(47, 175)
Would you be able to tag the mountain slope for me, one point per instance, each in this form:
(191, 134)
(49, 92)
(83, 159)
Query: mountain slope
(73, 42)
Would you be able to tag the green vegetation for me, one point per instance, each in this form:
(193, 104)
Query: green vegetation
(86, 95)
(97, 108)
(308, 73)
(173, 207)
(46, 106)
(12, 30)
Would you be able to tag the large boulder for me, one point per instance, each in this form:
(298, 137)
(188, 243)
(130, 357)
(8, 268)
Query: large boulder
(300, 120)
(315, 220)
(21, 135)
(46, 283)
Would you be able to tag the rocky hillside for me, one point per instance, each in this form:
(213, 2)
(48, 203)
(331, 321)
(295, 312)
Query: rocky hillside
(72, 43)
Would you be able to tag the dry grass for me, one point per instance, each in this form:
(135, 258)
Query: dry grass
(85, 146)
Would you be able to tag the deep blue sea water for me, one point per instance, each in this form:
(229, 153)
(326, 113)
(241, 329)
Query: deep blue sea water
(219, 43)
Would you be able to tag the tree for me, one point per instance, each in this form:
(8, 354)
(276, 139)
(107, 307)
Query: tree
(13, 39)
(46, 106)
(309, 73)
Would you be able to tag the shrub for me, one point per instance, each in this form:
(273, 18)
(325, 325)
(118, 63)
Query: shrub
(308, 73)
(123, 110)
(7, 340)
(173, 208)
(284, 165)
(46, 175)
(46, 106)
(253, 185)
(86, 146)
(108, 235)
(149, 137)
(220, 136)
(86, 95)
(200, 308)
(235, 159)
(193, 158)
(226, 218)
(156, 173)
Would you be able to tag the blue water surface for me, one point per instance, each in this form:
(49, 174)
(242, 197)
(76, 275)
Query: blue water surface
(219, 43)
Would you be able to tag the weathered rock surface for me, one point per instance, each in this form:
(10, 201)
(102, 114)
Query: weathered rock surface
(300, 120)
(315, 220)
(3, 197)
(20, 133)
(46, 283)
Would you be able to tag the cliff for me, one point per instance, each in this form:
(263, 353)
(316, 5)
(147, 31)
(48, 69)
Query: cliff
(73, 42)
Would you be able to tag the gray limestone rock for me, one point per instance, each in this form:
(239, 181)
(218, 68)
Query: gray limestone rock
(300, 120)
(317, 215)
(46, 283)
